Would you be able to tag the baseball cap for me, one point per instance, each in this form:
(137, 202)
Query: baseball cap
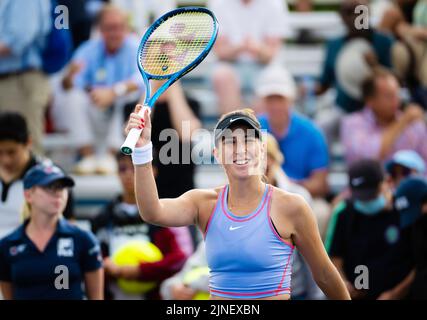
(233, 119)
(365, 177)
(406, 158)
(408, 199)
(45, 174)
(276, 80)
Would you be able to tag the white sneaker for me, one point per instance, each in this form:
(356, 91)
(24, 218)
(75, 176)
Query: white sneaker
(86, 165)
(106, 165)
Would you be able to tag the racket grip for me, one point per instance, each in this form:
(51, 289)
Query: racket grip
(132, 138)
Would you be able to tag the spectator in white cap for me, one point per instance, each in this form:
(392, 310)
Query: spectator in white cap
(249, 39)
(404, 163)
(300, 140)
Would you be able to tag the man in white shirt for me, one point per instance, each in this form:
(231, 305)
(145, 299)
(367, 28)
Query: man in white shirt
(250, 36)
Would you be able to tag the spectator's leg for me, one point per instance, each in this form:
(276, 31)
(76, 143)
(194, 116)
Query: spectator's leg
(227, 88)
(106, 127)
(36, 88)
(71, 113)
(248, 73)
(113, 139)
(27, 94)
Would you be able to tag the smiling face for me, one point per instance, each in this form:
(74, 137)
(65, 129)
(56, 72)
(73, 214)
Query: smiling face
(241, 153)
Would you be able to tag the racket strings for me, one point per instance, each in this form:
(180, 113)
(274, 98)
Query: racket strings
(176, 43)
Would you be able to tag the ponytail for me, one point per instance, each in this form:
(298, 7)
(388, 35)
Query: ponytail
(25, 211)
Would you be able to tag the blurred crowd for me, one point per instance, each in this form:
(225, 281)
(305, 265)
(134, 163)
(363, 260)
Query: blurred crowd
(83, 81)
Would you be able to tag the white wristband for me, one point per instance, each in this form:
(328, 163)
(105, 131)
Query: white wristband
(142, 155)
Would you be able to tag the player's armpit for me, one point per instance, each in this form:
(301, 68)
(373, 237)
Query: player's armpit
(177, 212)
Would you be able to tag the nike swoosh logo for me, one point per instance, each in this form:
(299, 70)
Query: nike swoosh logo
(234, 228)
(232, 120)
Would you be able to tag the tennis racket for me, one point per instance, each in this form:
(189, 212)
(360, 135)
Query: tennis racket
(173, 46)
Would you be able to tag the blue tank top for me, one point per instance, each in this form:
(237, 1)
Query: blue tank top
(246, 256)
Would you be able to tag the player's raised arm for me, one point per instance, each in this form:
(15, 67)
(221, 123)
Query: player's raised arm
(166, 212)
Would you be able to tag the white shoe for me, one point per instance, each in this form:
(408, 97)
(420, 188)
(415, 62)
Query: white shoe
(86, 165)
(106, 165)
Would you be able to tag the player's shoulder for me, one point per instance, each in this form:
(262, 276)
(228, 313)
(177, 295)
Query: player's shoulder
(204, 194)
(292, 202)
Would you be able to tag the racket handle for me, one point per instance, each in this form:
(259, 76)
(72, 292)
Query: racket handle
(132, 138)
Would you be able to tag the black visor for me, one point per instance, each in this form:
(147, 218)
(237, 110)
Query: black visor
(232, 120)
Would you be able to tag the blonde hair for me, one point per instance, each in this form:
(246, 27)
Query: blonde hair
(25, 211)
(273, 149)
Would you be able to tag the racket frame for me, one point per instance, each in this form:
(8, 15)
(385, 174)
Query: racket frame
(129, 144)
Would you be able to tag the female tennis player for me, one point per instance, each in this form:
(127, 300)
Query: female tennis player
(250, 228)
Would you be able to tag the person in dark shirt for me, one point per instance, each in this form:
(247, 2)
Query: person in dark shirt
(419, 285)
(79, 19)
(367, 234)
(118, 223)
(16, 158)
(411, 202)
(381, 44)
